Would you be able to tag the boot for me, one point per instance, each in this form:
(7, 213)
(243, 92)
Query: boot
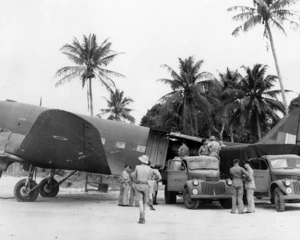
(142, 218)
(151, 205)
(154, 199)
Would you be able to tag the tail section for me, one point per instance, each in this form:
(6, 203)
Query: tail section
(286, 131)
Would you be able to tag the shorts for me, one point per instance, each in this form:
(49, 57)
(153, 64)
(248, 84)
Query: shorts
(142, 191)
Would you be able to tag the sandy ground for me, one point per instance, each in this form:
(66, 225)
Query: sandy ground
(74, 215)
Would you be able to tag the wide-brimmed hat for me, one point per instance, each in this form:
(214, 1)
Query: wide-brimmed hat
(212, 138)
(144, 159)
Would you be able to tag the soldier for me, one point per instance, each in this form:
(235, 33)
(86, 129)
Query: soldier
(142, 174)
(250, 186)
(125, 187)
(183, 150)
(237, 186)
(153, 187)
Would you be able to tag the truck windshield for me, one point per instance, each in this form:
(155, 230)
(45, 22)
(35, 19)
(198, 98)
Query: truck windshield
(285, 163)
(203, 164)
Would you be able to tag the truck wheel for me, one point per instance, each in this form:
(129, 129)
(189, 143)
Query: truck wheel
(279, 200)
(170, 197)
(188, 202)
(226, 203)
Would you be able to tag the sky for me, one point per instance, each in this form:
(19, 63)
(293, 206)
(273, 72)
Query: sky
(149, 33)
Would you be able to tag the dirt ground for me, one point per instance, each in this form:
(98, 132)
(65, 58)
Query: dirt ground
(74, 215)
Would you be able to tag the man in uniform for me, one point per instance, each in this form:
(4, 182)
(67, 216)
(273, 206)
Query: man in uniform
(142, 174)
(214, 147)
(237, 186)
(153, 187)
(183, 150)
(250, 186)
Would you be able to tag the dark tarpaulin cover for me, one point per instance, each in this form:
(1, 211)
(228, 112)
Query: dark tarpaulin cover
(244, 152)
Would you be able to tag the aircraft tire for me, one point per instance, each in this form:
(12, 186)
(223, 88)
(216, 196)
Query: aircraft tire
(170, 197)
(46, 189)
(226, 203)
(20, 191)
(279, 200)
(188, 202)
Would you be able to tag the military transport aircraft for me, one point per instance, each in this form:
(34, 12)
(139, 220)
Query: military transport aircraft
(55, 139)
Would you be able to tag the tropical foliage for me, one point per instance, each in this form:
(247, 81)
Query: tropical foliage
(90, 61)
(269, 13)
(117, 107)
(189, 93)
(237, 107)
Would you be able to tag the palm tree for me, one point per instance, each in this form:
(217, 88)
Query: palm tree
(117, 107)
(269, 13)
(227, 95)
(90, 61)
(186, 85)
(255, 101)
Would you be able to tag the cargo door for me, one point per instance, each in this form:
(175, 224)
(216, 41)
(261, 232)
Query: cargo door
(262, 175)
(177, 175)
(157, 148)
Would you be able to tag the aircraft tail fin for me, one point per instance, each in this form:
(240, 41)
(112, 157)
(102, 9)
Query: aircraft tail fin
(286, 131)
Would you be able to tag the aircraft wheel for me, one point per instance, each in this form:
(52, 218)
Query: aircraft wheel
(170, 197)
(49, 188)
(279, 200)
(226, 203)
(188, 202)
(21, 191)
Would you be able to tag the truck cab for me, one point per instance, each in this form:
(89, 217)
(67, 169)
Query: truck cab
(278, 178)
(196, 177)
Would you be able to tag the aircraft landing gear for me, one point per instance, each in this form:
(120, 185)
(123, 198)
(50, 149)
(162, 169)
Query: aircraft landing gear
(49, 187)
(26, 190)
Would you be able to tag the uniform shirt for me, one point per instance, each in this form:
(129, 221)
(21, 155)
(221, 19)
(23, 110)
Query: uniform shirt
(125, 177)
(155, 177)
(143, 173)
(204, 150)
(183, 151)
(214, 147)
(237, 175)
(250, 183)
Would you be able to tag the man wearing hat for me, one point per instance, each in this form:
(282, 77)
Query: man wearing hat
(142, 174)
(214, 147)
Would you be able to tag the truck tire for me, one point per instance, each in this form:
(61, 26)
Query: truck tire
(188, 202)
(170, 197)
(226, 203)
(279, 200)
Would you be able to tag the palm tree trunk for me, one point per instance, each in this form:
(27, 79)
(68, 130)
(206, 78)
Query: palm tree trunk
(258, 127)
(231, 133)
(184, 117)
(277, 67)
(222, 131)
(91, 97)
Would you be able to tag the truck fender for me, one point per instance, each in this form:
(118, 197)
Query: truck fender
(275, 184)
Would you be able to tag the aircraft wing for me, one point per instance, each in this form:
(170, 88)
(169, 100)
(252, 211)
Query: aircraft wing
(62, 140)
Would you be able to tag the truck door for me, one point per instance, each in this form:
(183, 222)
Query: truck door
(262, 175)
(157, 148)
(177, 175)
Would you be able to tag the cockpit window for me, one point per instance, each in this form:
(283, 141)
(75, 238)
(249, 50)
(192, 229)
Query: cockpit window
(204, 164)
(285, 163)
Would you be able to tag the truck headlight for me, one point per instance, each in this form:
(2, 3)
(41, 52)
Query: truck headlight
(195, 191)
(287, 183)
(195, 182)
(229, 182)
(289, 190)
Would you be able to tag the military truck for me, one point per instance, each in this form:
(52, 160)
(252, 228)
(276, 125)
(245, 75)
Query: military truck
(196, 178)
(276, 170)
